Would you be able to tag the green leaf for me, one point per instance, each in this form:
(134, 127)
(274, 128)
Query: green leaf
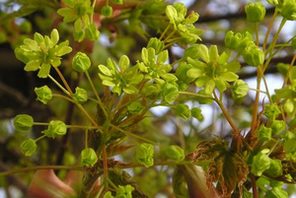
(32, 65)
(213, 53)
(163, 56)
(194, 73)
(228, 76)
(68, 14)
(54, 36)
(44, 70)
(105, 70)
(124, 63)
(172, 14)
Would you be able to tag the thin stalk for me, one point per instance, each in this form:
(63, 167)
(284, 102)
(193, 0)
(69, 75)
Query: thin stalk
(267, 90)
(131, 134)
(40, 138)
(80, 108)
(269, 29)
(34, 168)
(164, 32)
(226, 115)
(59, 85)
(63, 80)
(195, 94)
(86, 138)
(97, 95)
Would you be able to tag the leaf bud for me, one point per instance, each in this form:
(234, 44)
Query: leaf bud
(144, 154)
(55, 128)
(88, 157)
(107, 11)
(81, 62)
(80, 95)
(23, 122)
(255, 12)
(43, 93)
(28, 147)
(174, 152)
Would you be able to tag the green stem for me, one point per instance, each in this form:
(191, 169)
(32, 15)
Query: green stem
(34, 168)
(80, 108)
(40, 138)
(63, 80)
(97, 95)
(59, 85)
(164, 32)
(269, 29)
(195, 94)
(131, 134)
(226, 115)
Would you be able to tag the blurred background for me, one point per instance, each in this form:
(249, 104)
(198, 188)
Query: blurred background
(20, 18)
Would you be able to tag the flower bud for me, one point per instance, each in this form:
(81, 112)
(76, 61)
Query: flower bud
(253, 55)
(255, 12)
(81, 62)
(271, 111)
(232, 40)
(264, 133)
(278, 126)
(43, 93)
(55, 128)
(144, 154)
(183, 111)
(275, 169)
(174, 152)
(107, 11)
(288, 9)
(260, 163)
(239, 89)
(124, 191)
(88, 157)
(23, 122)
(80, 95)
(28, 147)
(156, 44)
(196, 113)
